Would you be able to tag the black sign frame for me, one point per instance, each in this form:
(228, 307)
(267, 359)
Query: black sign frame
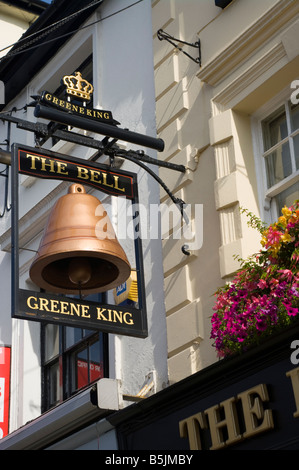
(59, 309)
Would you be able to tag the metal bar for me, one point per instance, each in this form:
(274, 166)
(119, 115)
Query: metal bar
(14, 234)
(145, 158)
(98, 127)
(104, 148)
(5, 157)
(178, 202)
(163, 35)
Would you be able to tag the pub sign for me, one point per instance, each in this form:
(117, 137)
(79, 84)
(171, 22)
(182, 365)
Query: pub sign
(125, 318)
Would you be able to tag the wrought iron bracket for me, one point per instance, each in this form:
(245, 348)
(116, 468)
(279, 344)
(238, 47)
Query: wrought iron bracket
(105, 147)
(163, 35)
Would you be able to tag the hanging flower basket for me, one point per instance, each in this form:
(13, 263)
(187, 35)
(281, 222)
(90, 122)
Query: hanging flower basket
(264, 295)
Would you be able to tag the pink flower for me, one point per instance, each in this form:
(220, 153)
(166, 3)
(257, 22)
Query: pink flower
(262, 284)
(273, 236)
(286, 273)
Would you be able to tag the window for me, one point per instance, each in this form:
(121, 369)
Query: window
(72, 359)
(279, 148)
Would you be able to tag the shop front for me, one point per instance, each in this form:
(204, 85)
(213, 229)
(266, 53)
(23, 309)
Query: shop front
(247, 402)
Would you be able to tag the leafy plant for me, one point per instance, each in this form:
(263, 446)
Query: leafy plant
(264, 294)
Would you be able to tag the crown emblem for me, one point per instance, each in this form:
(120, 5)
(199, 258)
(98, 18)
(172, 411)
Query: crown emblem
(78, 86)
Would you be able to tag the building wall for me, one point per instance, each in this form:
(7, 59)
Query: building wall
(205, 114)
(13, 23)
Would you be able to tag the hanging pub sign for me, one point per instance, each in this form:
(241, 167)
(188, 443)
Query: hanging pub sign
(79, 265)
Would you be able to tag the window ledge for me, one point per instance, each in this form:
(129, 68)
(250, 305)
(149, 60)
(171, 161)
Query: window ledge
(282, 185)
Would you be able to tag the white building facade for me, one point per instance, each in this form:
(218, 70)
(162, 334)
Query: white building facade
(228, 113)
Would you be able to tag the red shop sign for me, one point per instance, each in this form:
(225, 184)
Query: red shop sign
(4, 389)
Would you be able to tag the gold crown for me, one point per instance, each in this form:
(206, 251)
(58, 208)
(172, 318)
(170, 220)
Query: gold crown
(78, 86)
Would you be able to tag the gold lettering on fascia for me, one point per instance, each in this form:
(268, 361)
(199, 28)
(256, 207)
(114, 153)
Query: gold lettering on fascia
(294, 376)
(93, 113)
(51, 166)
(63, 307)
(222, 420)
(190, 428)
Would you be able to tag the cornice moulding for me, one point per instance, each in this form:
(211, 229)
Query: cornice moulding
(250, 75)
(249, 41)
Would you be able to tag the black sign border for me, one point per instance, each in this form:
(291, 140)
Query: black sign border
(83, 163)
(17, 310)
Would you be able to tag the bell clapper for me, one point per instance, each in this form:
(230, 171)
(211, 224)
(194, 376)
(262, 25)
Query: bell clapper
(79, 272)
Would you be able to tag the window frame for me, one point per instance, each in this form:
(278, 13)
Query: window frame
(266, 196)
(66, 364)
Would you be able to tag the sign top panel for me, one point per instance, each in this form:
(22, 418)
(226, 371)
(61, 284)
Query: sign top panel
(50, 165)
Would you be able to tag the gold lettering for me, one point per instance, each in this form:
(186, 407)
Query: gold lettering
(55, 100)
(114, 316)
(88, 112)
(109, 313)
(105, 181)
(43, 304)
(82, 173)
(33, 307)
(106, 115)
(54, 306)
(190, 428)
(64, 307)
(68, 105)
(117, 316)
(61, 103)
(130, 321)
(44, 164)
(85, 309)
(81, 110)
(61, 168)
(75, 308)
(256, 419)
(294, 375)
(48, 97)
(93, 174)
(228, 423)
(74, 108)
(100, 313)
(99, 114)
(59, 306)
(33, 158)
(116, 178)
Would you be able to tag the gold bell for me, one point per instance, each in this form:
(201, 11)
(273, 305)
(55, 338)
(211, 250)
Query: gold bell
(79, 251)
